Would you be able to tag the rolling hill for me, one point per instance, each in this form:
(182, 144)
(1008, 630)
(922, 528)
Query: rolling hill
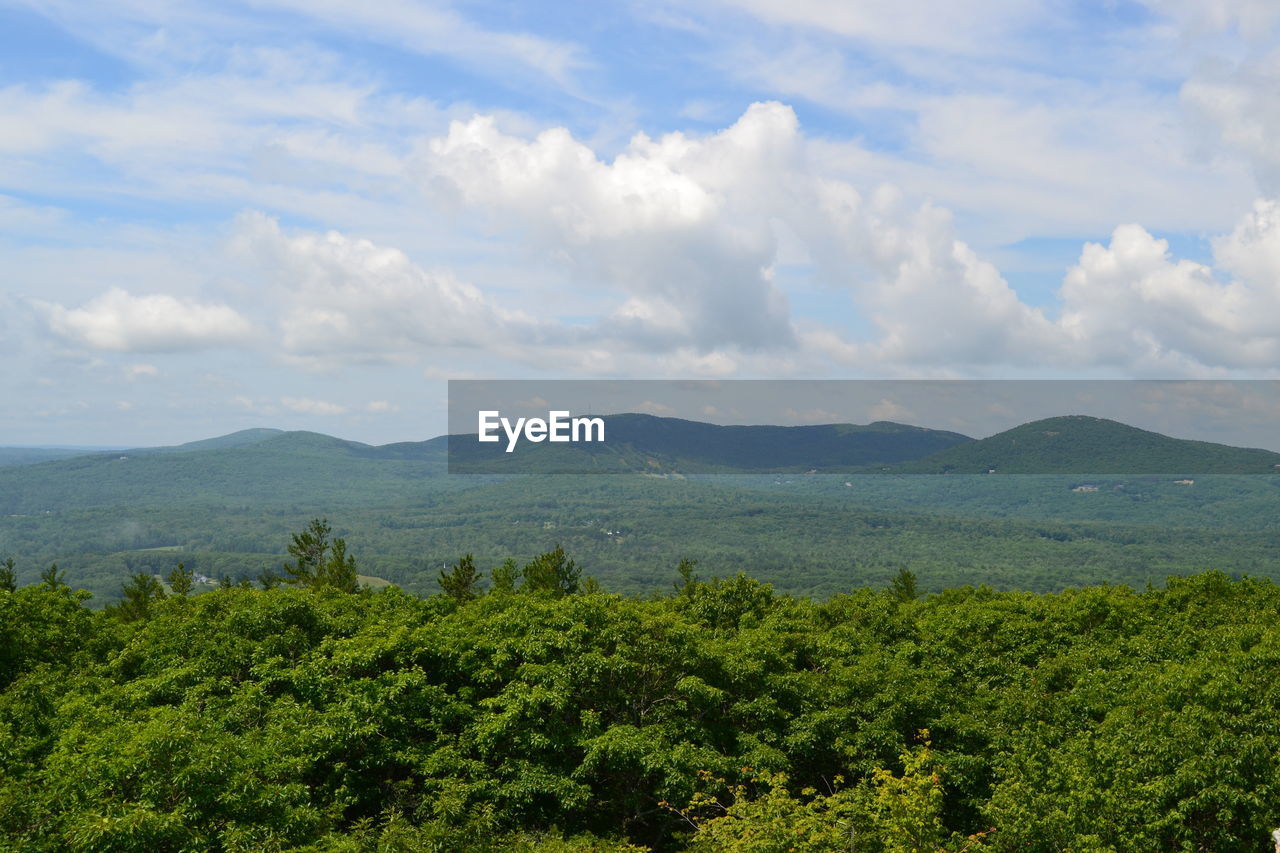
(651, 444)
(229, 510)
(1079, 444)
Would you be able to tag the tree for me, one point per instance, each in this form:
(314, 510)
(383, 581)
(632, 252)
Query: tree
(461, 582)
(181, 579)
(688, 576)
(139, 594)
(339, 571)
(506, 575)
(908, 808)
(319, 563)
(903, 586)
(8, 576)
(308, 550)
(552, 572)
(53, 578)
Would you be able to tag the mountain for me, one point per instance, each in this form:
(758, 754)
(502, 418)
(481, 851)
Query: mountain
(252, 468)
(647, 443)
(243, 438)
(30, 455)
(1079, 444)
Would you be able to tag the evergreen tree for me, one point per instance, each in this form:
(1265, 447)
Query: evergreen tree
(506, 575)
(339, 571)
(308, 551)
(53, 578)
(688, 576)
(8, 576)
(139, 594)
(181, 579)
(552, 572)
(461, 582)
(903, 586)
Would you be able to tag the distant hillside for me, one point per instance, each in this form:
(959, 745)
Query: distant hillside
(306, 468)
(1079, 444)
(646, 443)
(243, 438)
(31, 455)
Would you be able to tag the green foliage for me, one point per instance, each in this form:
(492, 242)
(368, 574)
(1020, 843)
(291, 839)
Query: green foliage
(904, 587)
(1095, 719)
(552, 572)
(339, 571)
(308, 550)
(8, 575)
(776, 821)
(1087, 445)
(908, 808)
(319, 562)
(687, 572)
(53, 578)
(181, 579)
(506, 575)
(462, 581)
(138, 596)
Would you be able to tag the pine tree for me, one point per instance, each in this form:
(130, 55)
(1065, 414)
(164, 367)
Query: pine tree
(308, 550)
(53, 578)
(505, 576)
(688, 576)
(339, 571)
(903, 586)
(552, 572)
(139, 594)
(461, 581)
(181, 579)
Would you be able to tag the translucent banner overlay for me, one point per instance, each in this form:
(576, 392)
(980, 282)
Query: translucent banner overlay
(672, 428)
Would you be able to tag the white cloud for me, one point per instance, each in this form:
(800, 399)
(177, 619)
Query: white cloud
(342, 297)
(1252, 19)
(939, 24)
(1131, 304)
(662, 224)
(307, 406)
(649, 407)
(121, 322)
(888, 410)
(185, 31)
(1235, 108)
(435, 28)
(141, 371)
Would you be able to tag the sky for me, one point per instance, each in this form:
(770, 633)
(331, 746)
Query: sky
(216, 216)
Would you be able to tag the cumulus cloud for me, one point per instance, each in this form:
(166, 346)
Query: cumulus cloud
(685, 229)
(1131, 303)
(307, 406)
(121, 322)
(669, 224)
(345, 297)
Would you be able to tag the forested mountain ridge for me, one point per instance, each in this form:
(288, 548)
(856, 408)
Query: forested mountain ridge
(1080, 444)
(224, 511)
(645, 443)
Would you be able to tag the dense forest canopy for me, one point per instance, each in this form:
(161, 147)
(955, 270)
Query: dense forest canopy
(527, 708)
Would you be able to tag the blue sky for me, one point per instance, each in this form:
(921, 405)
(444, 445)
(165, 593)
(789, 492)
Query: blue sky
(310, 214)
